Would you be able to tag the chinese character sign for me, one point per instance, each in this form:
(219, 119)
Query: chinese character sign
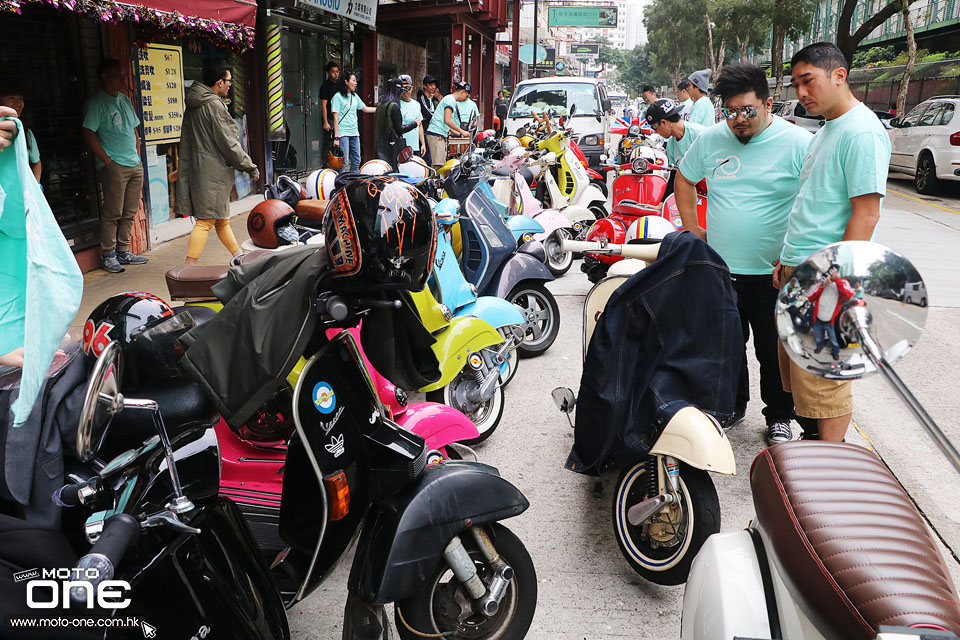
(161, 92)
(604, 17)
(364, 11)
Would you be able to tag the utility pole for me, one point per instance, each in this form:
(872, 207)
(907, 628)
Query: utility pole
(535, 44)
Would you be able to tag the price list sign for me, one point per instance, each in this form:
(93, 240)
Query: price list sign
(161, 92)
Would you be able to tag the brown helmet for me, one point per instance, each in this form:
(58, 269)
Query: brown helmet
(265, 219)
(335, 158)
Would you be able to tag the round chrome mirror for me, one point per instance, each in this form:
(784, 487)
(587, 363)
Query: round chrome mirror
(838, 293)
(101, 402)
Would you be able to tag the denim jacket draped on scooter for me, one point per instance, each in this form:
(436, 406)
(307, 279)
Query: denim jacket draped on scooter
(669, 337)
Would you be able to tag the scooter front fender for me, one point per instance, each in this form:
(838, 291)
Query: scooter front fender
(520, 225)
(495, 311)
(551, 220)
(438, 424)
(697, 439)
(593, 195)
(578, 213)
(724, 596)
(404, 536)
(455, 343)
(514, 270)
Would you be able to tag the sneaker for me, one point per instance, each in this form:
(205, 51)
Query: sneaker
(130, 258)
(779, 432)
(110, 263)
(735, 419)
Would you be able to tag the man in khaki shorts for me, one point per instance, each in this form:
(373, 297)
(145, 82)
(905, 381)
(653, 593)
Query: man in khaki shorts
(842, 184)
(445, 120)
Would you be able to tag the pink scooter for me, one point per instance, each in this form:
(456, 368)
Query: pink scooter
(556, 226)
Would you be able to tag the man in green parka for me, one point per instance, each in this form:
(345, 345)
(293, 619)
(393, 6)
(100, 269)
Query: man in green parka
(210, 151)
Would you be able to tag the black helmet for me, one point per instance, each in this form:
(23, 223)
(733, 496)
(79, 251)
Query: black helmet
(381, 233)
(147, 330)
(662, 109)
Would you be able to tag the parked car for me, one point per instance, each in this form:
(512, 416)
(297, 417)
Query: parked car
(793, 111)
(926, 143)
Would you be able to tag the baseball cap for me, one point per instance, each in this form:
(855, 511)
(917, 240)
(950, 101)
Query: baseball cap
(662, 109)
(464, 86)
(700, 79)
(429, 79)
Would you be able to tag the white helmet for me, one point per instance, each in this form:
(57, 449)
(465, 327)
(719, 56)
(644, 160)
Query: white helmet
(375, 167)
(416, 167)
(320, 184)
(649, 227)
(510, 143)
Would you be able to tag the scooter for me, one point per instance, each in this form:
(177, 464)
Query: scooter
(451, 289)
(838, 548)
(348, 470)
(494, 265)
(516, 190)
(665, 505)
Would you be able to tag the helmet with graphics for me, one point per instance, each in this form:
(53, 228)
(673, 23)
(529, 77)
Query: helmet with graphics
(380, 233)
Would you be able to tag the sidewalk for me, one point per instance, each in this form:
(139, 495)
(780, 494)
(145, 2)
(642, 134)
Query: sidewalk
(98, 285)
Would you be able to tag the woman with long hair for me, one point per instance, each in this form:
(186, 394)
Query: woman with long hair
(346, 132)
(389, 127)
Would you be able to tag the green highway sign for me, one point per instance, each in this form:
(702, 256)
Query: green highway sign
(572, 16)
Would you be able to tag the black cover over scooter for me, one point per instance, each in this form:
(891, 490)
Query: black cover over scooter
(669, 337)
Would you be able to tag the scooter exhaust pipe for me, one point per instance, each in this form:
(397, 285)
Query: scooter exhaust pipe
(642, 511)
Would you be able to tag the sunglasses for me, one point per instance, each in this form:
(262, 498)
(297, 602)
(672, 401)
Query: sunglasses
(731, 114)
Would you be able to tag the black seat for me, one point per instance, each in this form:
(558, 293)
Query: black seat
(502, 172)
(181, 405)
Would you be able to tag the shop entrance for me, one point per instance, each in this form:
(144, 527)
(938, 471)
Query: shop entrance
(305, 54)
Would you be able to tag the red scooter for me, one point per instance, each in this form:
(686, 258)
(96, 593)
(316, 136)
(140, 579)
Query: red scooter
(638, 192)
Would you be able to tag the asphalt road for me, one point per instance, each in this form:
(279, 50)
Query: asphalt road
(586, 590)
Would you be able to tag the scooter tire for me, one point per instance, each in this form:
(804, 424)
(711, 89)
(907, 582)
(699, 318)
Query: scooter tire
(424, 611)
(523, 292)
(551, 246)
(488, 425)
(602, 185)
(670, 565)
(598, 211)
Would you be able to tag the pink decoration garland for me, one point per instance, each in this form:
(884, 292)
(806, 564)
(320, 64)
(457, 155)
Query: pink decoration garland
(237, 37)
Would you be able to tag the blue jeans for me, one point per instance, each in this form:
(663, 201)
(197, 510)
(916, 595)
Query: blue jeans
(819, 328)
(350, 146)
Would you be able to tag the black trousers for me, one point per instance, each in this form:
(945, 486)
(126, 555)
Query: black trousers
(756, 302)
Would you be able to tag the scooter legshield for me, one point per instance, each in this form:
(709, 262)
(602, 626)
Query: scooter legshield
(404, 536)
(456, 342)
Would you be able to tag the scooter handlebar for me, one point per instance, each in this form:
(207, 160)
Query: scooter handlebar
(645, 252)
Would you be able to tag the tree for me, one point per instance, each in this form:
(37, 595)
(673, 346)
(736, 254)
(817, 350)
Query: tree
(848, 42)
(789, 19)
(676, 36)
(743, 22)
(911, 59)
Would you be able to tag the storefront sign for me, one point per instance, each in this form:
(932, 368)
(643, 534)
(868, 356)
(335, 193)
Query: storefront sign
(364, 11)
(161, 92)
(547, 64)
(601, 17)
(585, 50)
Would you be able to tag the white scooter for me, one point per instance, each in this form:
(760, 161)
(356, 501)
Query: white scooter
(665, 505)
(838, 549)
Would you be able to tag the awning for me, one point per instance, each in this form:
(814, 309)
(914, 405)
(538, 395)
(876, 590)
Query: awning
(228, 23)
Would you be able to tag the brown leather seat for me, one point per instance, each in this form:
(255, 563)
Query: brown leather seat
(848, 541)
(311, 209)
(193, 282)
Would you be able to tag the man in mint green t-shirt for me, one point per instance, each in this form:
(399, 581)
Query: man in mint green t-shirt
(842, 184)
(751, 164)
(665, 117)
(110, 130)
(701, 111)
(446, 119)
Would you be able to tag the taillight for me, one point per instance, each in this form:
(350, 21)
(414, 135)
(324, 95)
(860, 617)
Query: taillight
(791, 121)
(955, 139)
(339, 495)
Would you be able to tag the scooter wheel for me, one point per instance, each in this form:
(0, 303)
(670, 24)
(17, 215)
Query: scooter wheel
(558, 261)
(486, 417)
(663, 551)
(541, 314)
(436, 609)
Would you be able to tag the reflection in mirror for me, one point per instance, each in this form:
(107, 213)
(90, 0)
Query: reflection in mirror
(838, 290)
(101, 402)
(564, 399)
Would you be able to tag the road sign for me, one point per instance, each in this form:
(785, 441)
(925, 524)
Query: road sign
(604, 17)
(584, 50)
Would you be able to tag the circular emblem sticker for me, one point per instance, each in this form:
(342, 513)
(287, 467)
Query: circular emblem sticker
(324, 399)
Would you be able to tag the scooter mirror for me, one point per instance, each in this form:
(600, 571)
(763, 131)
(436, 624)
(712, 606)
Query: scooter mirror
(849, 306)
(101, 402)
(564, 399)
(404, 154)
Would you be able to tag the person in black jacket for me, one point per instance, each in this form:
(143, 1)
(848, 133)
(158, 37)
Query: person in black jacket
(429, 98)
(389, 127)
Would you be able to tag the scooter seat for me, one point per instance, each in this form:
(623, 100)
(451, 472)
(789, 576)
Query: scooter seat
(629, 207)
(848, 542)
(193, 282)
(310, 209)
(181, 405)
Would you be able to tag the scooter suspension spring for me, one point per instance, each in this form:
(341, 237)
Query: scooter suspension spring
(650, 477)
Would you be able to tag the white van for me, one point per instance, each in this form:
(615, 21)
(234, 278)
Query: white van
(915, 293)
(557, 95)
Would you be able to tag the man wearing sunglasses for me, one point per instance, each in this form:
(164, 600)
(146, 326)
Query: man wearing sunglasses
(751, 164)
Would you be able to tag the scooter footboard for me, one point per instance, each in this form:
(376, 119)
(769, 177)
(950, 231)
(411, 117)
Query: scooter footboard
(404, 537)
(724, 596)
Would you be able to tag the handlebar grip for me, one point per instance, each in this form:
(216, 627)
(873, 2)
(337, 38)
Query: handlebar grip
(119, 534)
(645, 252)
(67, 496)
(337, 309)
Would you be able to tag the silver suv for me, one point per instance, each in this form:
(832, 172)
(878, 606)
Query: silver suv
(926, 143)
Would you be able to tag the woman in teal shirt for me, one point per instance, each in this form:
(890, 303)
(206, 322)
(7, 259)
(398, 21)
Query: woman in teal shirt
(346, 132)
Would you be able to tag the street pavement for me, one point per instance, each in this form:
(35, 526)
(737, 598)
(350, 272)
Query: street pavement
(586, 589)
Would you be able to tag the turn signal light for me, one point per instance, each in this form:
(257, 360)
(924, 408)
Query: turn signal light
(955, 139)
(339, 492)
